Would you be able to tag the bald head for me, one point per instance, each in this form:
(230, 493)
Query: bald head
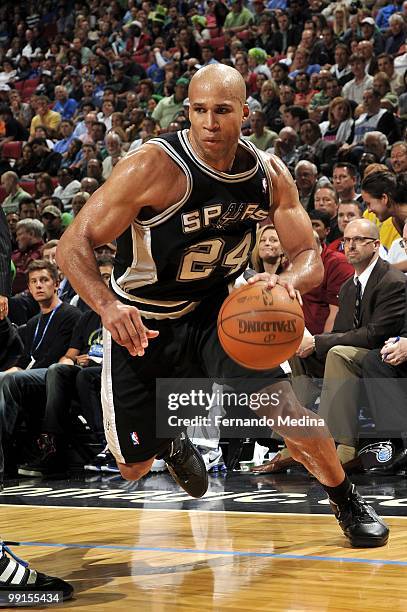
(218, 79)
(362, 227)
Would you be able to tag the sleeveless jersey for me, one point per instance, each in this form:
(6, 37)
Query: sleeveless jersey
(167, 264)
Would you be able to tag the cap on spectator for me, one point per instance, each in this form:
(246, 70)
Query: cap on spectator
(368, 20)
(51, 210)
(47, 73)
(182, 81)
(4, 87)
(258, 54)
(118, 65)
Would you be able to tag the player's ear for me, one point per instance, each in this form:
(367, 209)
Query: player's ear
(246, 112)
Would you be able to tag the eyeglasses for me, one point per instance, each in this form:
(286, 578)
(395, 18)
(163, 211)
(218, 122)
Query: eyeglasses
(358, 240)
(403, 243)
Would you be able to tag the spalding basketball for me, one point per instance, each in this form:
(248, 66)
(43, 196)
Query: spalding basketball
(260, 328)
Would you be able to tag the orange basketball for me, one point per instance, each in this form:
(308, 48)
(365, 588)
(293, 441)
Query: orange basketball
(260, 328)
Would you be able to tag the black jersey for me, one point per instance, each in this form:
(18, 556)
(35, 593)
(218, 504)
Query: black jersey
(167, 264)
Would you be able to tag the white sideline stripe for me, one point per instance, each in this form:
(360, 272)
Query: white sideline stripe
(330, 516)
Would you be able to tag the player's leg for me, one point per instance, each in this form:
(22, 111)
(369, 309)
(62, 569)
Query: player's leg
(310, 443)
(129, 409)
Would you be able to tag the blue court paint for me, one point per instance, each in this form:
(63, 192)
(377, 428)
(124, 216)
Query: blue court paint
(232, 553)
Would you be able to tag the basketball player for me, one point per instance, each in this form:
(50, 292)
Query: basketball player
(184, 209)
(14, 573)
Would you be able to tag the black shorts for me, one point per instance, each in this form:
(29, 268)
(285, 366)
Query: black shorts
(187, 347)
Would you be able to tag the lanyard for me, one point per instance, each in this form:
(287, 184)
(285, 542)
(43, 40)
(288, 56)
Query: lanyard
(35, 348)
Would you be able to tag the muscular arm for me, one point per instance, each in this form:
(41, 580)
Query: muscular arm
(294, 230)
(146, 178)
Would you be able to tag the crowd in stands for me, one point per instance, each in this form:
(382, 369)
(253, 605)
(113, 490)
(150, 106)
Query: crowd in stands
(83, 82)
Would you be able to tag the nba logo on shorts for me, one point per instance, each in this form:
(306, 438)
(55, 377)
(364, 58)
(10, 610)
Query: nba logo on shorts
(134, 438)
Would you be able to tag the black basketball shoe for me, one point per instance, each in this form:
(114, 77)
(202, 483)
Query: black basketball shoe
(16, 576)
(50, 462)
(359, 522)
(186, 466)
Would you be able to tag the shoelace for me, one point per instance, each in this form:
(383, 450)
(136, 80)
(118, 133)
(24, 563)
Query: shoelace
(5, 549)
(358, 508)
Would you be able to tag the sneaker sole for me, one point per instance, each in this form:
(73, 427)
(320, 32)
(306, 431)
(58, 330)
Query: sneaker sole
(369, 542)
(33, 473)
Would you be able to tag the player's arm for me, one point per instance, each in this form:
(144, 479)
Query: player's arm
(136, 182)
(295, 233)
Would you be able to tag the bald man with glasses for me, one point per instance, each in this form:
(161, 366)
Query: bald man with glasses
(371, 309)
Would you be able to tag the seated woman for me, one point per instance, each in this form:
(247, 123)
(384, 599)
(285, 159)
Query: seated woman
(340, 125)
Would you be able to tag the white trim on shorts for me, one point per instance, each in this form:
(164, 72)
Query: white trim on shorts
(109, 416)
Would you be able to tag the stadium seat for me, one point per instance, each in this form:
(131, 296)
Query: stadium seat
(28, 186)
(31, 83)
(215, 32)
(12, 150)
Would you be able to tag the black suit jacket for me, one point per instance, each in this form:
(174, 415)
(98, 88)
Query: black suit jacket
(382, 311)
(5, 255)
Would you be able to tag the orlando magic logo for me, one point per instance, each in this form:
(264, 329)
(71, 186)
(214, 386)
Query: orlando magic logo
(382, 451)
(232, 214)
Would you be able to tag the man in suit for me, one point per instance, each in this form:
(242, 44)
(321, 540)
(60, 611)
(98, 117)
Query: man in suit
(371, 309)
(384, 372)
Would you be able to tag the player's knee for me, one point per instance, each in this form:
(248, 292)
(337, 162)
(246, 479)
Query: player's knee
(135, 471)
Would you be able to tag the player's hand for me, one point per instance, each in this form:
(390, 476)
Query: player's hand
(272, 280)
(395, 353)
(3, 307)
(127, 328)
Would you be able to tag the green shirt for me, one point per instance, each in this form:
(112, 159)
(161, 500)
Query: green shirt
(10, 204)
(166, 110)
(235, 20)
(319, 99)
(265, 141)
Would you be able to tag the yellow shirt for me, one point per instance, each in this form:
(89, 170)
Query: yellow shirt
(387, 231)
(50, 120)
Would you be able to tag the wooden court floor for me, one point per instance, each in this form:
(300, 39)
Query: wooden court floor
(159, 560)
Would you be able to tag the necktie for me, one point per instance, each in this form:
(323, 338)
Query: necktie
(358, 304)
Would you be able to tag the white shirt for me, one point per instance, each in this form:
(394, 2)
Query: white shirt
(364, 277)
(67, 193)
(352, 91)
(396, 252)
